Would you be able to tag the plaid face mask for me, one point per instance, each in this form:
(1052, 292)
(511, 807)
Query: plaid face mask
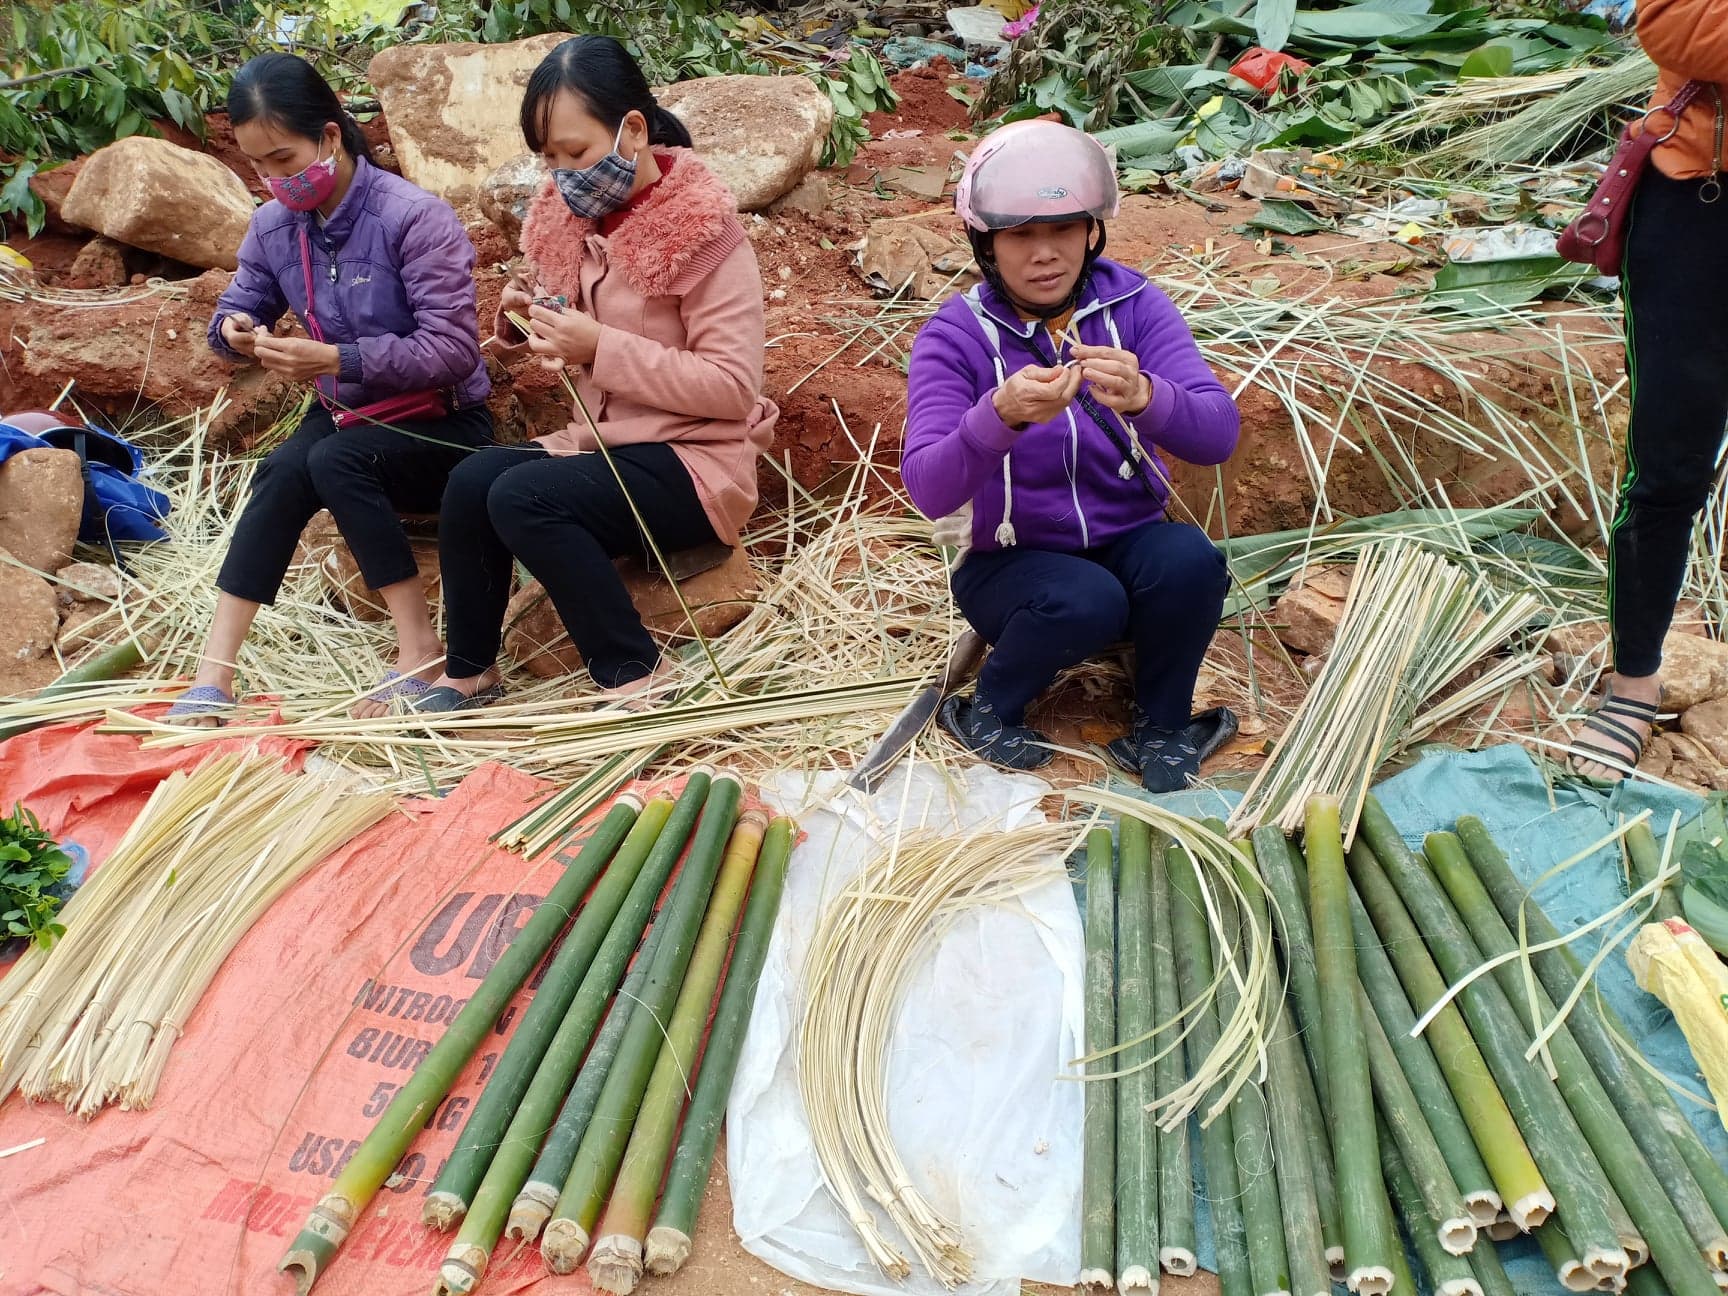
(593, 192)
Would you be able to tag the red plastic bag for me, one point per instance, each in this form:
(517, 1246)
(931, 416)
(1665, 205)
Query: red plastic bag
(1260, 67)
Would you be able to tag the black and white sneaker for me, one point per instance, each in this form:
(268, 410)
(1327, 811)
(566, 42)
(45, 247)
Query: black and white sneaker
(975, 723)
(1168, 760)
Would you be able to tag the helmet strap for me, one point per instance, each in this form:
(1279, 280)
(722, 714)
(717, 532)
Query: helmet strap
(984, 253)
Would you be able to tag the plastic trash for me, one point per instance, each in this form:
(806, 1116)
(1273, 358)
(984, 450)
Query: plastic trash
(904, 51)
(1671, 961)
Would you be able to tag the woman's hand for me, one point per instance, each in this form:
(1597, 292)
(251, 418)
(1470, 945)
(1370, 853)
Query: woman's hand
(1036, 394)
(562, 337)
(239, 332)
(1115, 377)
(301, 359)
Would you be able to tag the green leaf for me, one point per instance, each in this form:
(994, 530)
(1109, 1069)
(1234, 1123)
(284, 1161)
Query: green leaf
(1272, 22)
(1492, 60)
(1478, 285)
(1281, 216)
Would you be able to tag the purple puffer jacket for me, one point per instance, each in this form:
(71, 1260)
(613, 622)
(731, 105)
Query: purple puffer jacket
(1058, 485)
(393, 285)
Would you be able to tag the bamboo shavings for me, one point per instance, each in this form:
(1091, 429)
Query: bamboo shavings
(1413, 624)
(92, 1020)
(869, 942)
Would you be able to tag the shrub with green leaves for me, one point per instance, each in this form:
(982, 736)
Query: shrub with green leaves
(31, 866)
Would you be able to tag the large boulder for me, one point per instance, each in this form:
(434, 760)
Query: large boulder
(29, 614)
(507, 192)
(150, 194)
(454, 109)
(1694, 670)
(761, 135)
(719, 598)
(1307, 614)
(41, 504)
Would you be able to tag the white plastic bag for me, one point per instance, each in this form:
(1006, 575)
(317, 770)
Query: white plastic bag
(987, 1125)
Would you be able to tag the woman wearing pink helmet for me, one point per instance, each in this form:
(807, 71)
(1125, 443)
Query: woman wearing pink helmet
(1038, 403)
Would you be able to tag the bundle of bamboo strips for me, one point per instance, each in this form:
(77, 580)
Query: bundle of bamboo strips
(91, 1021)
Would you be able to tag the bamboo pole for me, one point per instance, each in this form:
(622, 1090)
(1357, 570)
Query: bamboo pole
(1099, 1133)
(1449, 1274)
(103, 666)
(1136, 1135)
(338, 1210)
(1175, 1173)
(1490, 1274)
(669, 1240)
(1368, 1246)
(1646, 858)
(616, 1265)
(1562, 1258)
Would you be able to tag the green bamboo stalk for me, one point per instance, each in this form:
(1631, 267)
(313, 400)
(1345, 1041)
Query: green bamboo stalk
(336, 1213)
(1490, 1274)
(455, 1186)
(1646, 858)
(1449, 1274)
(616, 1265)
(1136, 1135)
(1647, 1282)
(1368, 1246)
(675, 1226)
(1644, 1196)
(1175, 1174)
(1667, 1138)
(1568, 1166)
(1304, 1240)
(536, 1198)
(1498, 1135)
(1098, 1143)
(469, 1254)
(105, 665)
(602, 1148)
(1562, 1258)
(1192, 942)
(1424, 1073)
(1286, 878)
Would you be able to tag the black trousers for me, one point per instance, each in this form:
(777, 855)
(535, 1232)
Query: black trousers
(365, 476)
(565, 518)
(1676, 290)
(1161, 585)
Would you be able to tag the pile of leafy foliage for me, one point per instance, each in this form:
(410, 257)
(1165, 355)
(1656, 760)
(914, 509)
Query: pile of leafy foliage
(1153, 75)
(32, 865)
(79, 74)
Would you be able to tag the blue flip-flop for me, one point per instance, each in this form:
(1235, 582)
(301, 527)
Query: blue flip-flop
(397, 687)
(200, 700)
(438, 701)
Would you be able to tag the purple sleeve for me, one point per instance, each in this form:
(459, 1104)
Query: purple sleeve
(1191, 414)
(955, 439)
(253, 289)
(437, 269)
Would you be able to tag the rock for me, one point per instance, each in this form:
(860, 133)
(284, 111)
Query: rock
(810, 196)
(507, 193)
(84, 582)
(1694, 670)
(41, 504)
(454, 109)
(322, 544)
(86, 624)
(52, 186)
(101, 264)
(720, 598)
(29, 618)
(1707, 725)
(761, 135)
(150, 194)
(1307, 613)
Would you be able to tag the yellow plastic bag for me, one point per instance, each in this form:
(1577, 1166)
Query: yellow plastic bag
(1671, 961)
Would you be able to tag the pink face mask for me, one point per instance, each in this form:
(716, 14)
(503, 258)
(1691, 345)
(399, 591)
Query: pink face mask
(308, 189)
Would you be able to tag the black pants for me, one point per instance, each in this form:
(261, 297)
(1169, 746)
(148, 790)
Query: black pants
(1161, 586)
(365, 476)
(565, 518)
(1676, 290)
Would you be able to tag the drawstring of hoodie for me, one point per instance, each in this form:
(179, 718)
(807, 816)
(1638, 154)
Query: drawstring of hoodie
(1005, 531)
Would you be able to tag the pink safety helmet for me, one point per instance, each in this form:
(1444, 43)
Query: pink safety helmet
(1036, 171)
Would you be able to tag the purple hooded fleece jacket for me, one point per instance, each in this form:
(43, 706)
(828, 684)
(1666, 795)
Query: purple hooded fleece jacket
(393, 288)
(1055, 486)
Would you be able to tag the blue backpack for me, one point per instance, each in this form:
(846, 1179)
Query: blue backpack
(117, 506)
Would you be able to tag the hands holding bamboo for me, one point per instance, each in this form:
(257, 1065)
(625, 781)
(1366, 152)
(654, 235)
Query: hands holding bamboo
(1116, 377)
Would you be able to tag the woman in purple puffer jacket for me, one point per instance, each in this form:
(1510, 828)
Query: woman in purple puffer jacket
(392, 350)
(1037, 405)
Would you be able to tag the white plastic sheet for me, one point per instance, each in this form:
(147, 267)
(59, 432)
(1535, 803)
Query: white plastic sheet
(989, 1128)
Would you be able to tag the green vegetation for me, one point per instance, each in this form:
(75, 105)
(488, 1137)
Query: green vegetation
(31, 865)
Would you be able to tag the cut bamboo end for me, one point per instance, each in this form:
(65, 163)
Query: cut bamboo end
(1611, 1285)
(1136, 1278)
(1574, 1276)
(1502, 1230)
(1178, 1262)
(1607, 1262)
(1716, 1254)
(1530, 1212)
(325, 1231)
(530, 1211)
(1459, 1287)
(464, 1265)
(442, 1209)
(1637, 1250)
(1096, 1280)
(565, 1243)
(1370, 1280)
(668, 1249)
(1484, 1206)
(616, 1265)
(1335, 1262)
(630, 799)
(1457, 1236)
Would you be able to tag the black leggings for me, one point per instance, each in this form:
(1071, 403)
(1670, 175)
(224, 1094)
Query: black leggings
(365, 476)
(565, 519)
(1676, 289)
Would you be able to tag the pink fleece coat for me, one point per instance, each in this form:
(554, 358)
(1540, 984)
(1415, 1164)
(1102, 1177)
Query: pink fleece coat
(678, 296)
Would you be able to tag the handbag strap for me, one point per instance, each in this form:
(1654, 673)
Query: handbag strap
(313, 330)
(1681, 101)
(1096, 413)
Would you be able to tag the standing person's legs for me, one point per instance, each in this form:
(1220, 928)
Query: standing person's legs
(1676, 293)
(282, 502)
(1042, 613)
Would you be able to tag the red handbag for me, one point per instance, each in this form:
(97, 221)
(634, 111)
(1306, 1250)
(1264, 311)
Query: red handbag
(1597, 237)
(430, 403)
